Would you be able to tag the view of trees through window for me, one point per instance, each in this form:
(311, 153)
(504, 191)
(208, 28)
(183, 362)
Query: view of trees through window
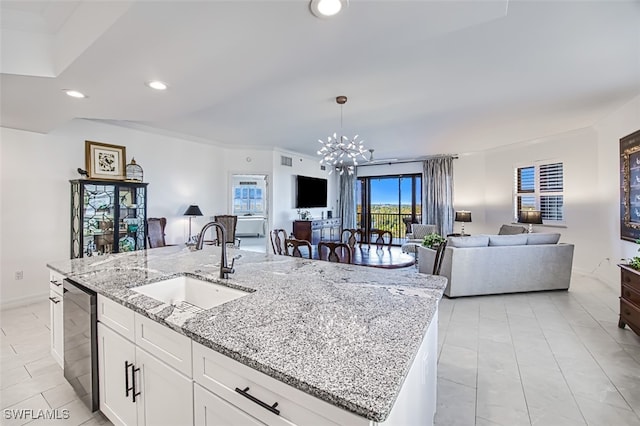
(388, 203)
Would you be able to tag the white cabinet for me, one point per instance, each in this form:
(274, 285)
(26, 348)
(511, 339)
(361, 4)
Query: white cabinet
(261, 397)
(136, 387)
(55, 317)
(211, 410)
(153, 375)
(166, 395)
(115, 363)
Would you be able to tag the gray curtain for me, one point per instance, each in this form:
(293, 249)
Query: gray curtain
(437, 193)
(347, 200)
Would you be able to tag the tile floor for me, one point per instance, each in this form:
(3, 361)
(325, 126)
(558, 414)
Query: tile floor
(555, 358)
(549, 358)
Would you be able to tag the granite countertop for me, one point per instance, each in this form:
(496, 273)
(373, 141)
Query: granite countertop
(346, 334)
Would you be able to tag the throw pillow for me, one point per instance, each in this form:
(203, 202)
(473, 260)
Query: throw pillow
(472, 241)
(512, 230)
(508, 240)
(543, 238)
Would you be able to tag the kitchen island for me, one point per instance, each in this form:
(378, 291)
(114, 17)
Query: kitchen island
(347, 335)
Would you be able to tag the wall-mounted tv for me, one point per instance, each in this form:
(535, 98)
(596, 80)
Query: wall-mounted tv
(311, 192)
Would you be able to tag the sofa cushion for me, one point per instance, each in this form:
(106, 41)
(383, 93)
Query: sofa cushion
(512, 230)
(543, 238)
(508, 240)
(471, 241)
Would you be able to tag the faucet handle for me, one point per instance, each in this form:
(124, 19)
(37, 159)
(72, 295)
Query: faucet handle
(233, 261)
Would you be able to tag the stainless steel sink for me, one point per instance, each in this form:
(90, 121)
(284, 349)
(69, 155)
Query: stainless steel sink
(183, 290)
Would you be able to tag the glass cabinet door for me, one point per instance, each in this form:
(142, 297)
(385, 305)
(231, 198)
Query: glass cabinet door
(132, 217)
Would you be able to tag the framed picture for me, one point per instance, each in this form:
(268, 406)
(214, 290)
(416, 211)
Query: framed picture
(105, 161)
(630, 187)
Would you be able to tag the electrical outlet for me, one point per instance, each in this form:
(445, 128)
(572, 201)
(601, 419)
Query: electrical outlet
(19, 275)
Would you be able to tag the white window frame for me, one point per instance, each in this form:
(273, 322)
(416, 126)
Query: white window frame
(537, 193)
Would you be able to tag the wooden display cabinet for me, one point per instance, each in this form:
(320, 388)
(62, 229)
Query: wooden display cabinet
(107, 217)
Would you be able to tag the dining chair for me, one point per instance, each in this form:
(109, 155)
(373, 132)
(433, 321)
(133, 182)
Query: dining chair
(230, 222)
(380, 238)
(334, 252)
(292, 247)
(277, 237)
(437, 262)
(155, 232)
(351, 237)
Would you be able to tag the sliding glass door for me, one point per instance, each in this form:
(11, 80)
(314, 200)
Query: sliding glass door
(389, 203)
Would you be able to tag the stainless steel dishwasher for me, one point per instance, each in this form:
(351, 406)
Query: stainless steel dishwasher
(81, 342)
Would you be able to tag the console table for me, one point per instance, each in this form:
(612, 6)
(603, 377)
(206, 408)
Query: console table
(317, 230)
(630, 298)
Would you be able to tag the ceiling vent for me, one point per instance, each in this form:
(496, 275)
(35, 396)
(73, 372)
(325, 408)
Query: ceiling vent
(286, 161)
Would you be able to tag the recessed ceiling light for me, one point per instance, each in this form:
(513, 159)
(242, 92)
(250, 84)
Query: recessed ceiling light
(157, 84)
(326, 8)
(75, 94)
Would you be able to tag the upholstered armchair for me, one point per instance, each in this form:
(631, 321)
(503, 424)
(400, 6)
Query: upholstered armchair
(419, 231)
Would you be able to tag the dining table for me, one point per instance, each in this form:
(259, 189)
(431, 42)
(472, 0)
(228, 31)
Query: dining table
(377, 256)
(381, 257)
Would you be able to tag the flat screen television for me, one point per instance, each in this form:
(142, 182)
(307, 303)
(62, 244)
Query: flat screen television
(311, 192)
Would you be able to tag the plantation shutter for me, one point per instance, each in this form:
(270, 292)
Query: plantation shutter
(540, 187)
(551, 188)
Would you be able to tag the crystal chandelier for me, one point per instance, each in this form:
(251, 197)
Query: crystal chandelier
(339, 151)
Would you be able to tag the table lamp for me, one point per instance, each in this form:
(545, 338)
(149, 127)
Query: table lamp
(530, 217)
(463, 216)
(192, 210)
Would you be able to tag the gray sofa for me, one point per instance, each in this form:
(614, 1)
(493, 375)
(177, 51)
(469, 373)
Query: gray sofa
(495, 264)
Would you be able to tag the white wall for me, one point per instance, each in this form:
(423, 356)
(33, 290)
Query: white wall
(577, 150)
(284, 188)
(483, 184)
(609, 131)
(35, 210)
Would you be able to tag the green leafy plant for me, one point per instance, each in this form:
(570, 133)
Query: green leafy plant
(304, 214)
(433, 240)
(634, 262)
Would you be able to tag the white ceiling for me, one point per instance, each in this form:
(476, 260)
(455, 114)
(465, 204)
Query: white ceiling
(422, 77)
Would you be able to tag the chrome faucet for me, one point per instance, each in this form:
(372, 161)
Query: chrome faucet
(224, 269)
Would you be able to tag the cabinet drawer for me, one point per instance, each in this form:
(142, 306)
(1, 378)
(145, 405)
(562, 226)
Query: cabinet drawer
(630, 279)
(117, 317)
(629, 314)
(165, 344)
(630, 295)
(55, 282)
(211, 410)
(222, 375)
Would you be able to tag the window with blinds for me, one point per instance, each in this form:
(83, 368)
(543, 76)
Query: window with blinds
(540, 187)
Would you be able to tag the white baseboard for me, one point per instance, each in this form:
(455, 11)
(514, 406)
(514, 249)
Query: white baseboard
(23, 301)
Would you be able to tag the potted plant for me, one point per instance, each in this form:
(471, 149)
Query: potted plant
(634, 262)
(433, 240)
(304, 214)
